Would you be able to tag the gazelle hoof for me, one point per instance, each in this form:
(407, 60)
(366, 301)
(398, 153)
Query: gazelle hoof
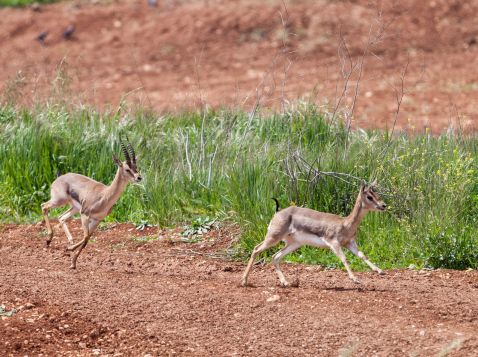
(284, 284)
(244, 283)
(380, 272)
(356, 281)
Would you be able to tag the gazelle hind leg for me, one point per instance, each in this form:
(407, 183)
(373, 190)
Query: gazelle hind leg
(62, 222)
(289, 248)
(266, 244)
(45, 207)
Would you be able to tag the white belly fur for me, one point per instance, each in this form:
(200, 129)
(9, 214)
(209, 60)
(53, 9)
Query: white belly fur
(309, 239)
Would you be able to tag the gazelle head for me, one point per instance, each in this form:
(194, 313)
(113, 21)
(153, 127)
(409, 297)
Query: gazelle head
(128, 168)
(371, 201)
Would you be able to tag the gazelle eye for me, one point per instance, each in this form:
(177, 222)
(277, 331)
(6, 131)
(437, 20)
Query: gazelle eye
(370, 198)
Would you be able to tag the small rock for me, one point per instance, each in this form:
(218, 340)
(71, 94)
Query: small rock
(147, 68)
(68, 33)
(424, 272)
(273, 298)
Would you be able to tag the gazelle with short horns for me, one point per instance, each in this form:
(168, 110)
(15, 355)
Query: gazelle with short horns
(298, 226)
(92, 199)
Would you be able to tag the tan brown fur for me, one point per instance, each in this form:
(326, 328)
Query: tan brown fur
(93, 200)
(297, 226)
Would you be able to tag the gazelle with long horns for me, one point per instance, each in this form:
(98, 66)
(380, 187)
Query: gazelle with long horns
(298, 226)
(92, 199)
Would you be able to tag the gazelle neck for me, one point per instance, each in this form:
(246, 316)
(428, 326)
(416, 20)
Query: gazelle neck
(352, 221)
(116, 188)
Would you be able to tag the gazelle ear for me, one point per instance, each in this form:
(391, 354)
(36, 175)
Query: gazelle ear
(363, 186)
(117, 161)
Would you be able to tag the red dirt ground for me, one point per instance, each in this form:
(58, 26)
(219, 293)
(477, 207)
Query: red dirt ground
(135, 298)
(183, 54)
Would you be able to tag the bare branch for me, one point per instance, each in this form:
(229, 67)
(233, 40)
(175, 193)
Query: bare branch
(211, 162)
(187, 158)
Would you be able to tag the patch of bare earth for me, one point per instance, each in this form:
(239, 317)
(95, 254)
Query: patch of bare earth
(183, 54)
(132, 295)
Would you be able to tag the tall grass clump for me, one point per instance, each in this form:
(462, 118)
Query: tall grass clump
(229, 164)
(23, 2)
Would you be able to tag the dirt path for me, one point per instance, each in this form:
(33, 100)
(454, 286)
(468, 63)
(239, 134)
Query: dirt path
(132, 297)
(183, 54)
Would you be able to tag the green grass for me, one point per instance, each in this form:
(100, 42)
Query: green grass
(23, 2)
(224, 164)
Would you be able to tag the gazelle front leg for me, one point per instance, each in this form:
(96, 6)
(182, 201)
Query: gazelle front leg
(353, 247)
(337, 249)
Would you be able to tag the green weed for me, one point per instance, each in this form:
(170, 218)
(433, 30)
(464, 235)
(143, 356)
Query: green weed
(199, 226)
